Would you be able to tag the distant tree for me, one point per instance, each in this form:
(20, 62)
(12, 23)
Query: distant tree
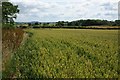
(29, 24)
(60, 23)
(69, 24)
(40, 24)
(66, 23)
(36, 23)
(117, 22)
(45, 24)
(9, 12)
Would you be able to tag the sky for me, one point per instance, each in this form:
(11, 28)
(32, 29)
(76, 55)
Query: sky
(66, 10)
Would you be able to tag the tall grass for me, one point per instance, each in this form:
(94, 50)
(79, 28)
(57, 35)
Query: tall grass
(11, 40)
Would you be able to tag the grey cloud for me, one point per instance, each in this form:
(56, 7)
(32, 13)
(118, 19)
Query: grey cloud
(106, 4)
(98, 14)
(110, 14)
(65, 10)
(109, 6)
(28, 9)
(50, 17)
(119, 10)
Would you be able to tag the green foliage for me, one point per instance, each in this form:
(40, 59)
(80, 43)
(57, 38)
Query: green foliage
(60, 23)
(8, 26)
(9, 13)
(29, 24)
(64, 53)
(117, 22)
(88, 22)
(45, 24)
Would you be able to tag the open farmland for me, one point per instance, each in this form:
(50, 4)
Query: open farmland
(66, 53)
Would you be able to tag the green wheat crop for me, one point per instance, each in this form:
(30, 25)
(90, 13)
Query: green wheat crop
(67, 53)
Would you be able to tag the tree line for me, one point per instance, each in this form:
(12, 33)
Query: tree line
(73, 24)
(89, 22)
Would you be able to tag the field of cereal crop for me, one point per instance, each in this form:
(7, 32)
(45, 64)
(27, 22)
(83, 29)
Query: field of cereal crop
(66, 53)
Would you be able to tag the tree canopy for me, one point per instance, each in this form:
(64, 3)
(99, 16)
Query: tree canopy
(89, 22)
(9, 12)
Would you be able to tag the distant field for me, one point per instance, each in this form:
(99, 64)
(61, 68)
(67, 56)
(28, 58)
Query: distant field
(66, 53)
(116, 27)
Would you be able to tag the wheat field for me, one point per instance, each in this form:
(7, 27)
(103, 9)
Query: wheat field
(66, 53)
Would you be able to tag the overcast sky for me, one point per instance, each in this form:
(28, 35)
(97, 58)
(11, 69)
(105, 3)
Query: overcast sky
(66, 10)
